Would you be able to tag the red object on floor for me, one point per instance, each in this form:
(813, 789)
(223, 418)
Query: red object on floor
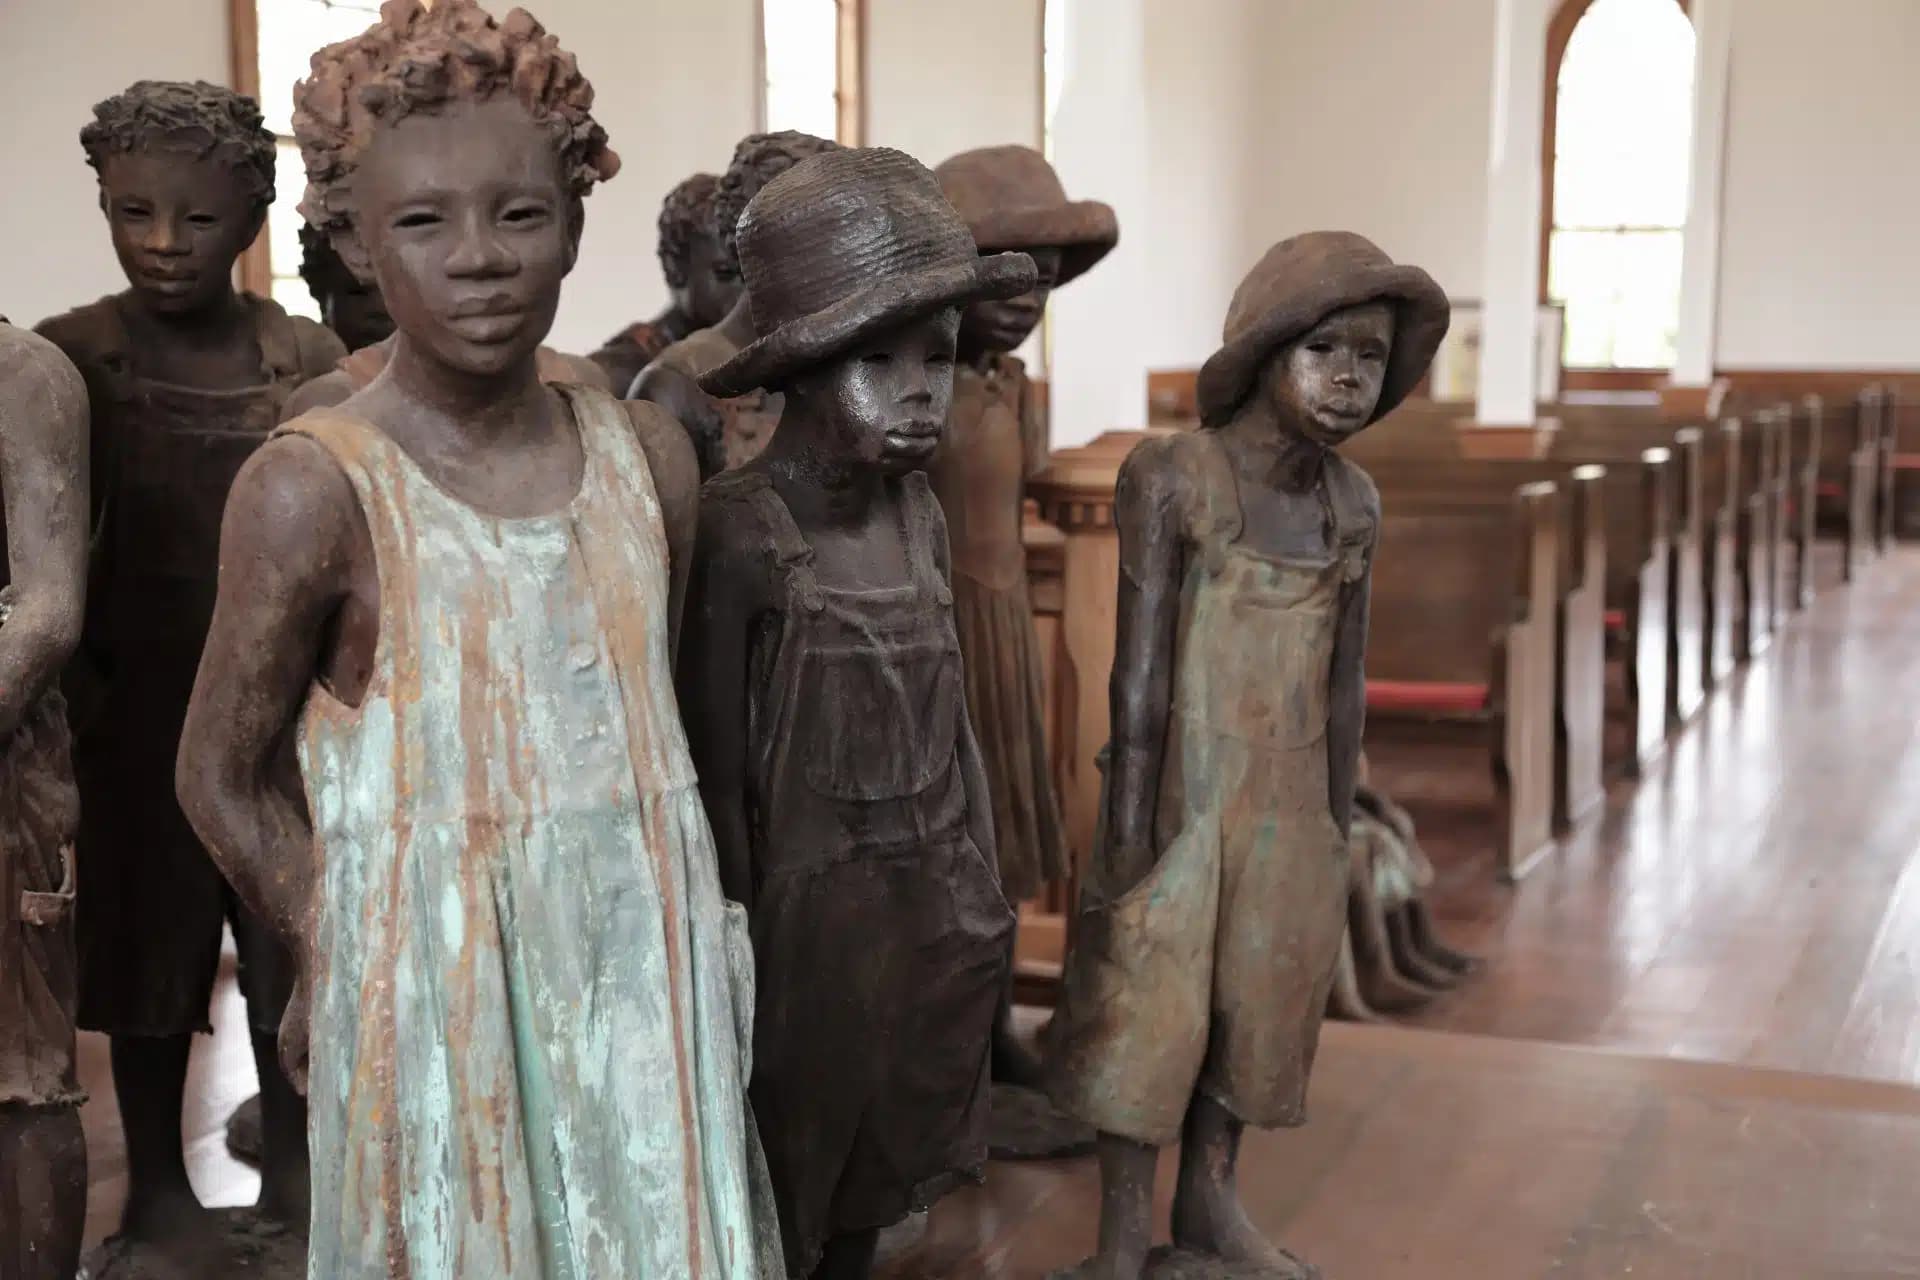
(1829, 489)
(1425, 695)
(1615, 619)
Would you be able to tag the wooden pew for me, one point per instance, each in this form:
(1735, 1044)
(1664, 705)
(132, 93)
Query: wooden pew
(1881, 410)
(1806, 432)
(1845, 486)
(1641, 483)
(1763, 459)
(1446, 615)
(1580, 621)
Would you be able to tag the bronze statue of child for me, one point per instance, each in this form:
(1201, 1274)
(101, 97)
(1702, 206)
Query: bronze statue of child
(523, 1005)
(1212, 915)
(43, 547)
(699, 292)
(186, 377)
(348, 305)
(996, 439)
(726, 431)
(822, 683)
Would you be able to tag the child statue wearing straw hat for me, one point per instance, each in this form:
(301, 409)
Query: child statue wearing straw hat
(1211, 919)
(822, 685)
(996, 439)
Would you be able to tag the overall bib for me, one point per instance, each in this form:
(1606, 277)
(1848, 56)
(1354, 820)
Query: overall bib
(1211, 974)
(531, 1003)
(152, 903)
(880, 932)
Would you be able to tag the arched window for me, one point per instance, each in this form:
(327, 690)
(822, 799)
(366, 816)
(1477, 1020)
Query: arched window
(1620, 124)
(810, 57)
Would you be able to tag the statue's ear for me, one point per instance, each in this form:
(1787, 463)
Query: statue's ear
(353, 253)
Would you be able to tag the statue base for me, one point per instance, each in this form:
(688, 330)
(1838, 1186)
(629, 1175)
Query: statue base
(1025, 1125)
(243, 1243)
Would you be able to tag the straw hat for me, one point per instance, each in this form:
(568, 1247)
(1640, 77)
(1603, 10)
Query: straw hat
(1012, 199)
(844, 245)
(1300, 282)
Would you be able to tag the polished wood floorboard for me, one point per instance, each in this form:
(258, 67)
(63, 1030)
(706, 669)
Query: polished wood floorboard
(1434, 1156)
(1688, 1054)
(1755, 900)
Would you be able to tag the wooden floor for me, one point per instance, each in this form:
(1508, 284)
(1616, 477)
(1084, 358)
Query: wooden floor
(1757, 899)
(1690, 1054)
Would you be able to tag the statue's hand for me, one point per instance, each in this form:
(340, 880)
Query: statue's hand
(295, 1034)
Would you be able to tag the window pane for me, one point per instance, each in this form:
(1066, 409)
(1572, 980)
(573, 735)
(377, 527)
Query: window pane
(283, 216)
(1622, 291)
(291, 32)
(291, 293)
(802, 43)
(1624, 125)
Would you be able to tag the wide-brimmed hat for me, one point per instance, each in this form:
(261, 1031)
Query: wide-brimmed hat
(844, 245)
(1012, 199)
(1300, 282)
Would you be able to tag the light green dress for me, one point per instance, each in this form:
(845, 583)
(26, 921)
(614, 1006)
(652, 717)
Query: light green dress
(532, 1005)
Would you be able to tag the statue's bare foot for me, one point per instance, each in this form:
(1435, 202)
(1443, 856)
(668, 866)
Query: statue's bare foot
(167, 1215)
(1386, 991)
(1104, 1266)
(1209, 1220)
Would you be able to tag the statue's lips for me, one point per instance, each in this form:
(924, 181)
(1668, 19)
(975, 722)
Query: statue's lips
(915, 437)
(167, 281)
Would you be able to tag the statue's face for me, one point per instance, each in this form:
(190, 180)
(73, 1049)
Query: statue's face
(1002, 324)
(179, 221)
(885, 403)
(355, 312)
(1325, 384)
(711, 291)
(463, 223)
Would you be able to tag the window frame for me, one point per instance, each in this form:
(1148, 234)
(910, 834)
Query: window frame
(849, 74)
(1559, 36)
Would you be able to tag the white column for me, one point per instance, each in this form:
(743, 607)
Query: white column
(1510, 272)
(1700, 245)
(1098, 374)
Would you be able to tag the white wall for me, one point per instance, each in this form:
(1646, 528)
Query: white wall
(669, 114)
(1820, 252)
(1273, 117)
(944, 77)
(58, 58)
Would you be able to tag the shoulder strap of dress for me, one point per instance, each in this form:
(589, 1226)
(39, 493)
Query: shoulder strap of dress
(925, 527)
(610, 440)
(793, 558)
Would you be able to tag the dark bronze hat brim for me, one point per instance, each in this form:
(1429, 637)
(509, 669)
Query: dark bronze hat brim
(1421, 316)
(813, 339)
(1084, 231)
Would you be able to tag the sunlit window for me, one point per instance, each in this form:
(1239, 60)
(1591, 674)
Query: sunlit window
(811, 54)
(290, 32)
(1622, 140)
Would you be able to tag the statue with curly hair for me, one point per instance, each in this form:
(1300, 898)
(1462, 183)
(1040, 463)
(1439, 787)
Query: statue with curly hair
(699, 294)
(349, 306)
(523, 1006)
(185, 378)
(727, 432)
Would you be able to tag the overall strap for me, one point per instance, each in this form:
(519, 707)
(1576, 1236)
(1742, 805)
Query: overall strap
(279, 343)
(1353, 519)
(925, 528)
(1215, 519)
(792, 557)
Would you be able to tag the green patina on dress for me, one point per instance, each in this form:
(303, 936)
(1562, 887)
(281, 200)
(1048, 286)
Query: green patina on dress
(532, 1005)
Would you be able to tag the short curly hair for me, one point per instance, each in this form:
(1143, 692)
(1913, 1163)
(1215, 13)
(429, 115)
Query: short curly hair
(687, 209)
(758, 159)
(206, 119)
(417, 59)
(320, 267)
